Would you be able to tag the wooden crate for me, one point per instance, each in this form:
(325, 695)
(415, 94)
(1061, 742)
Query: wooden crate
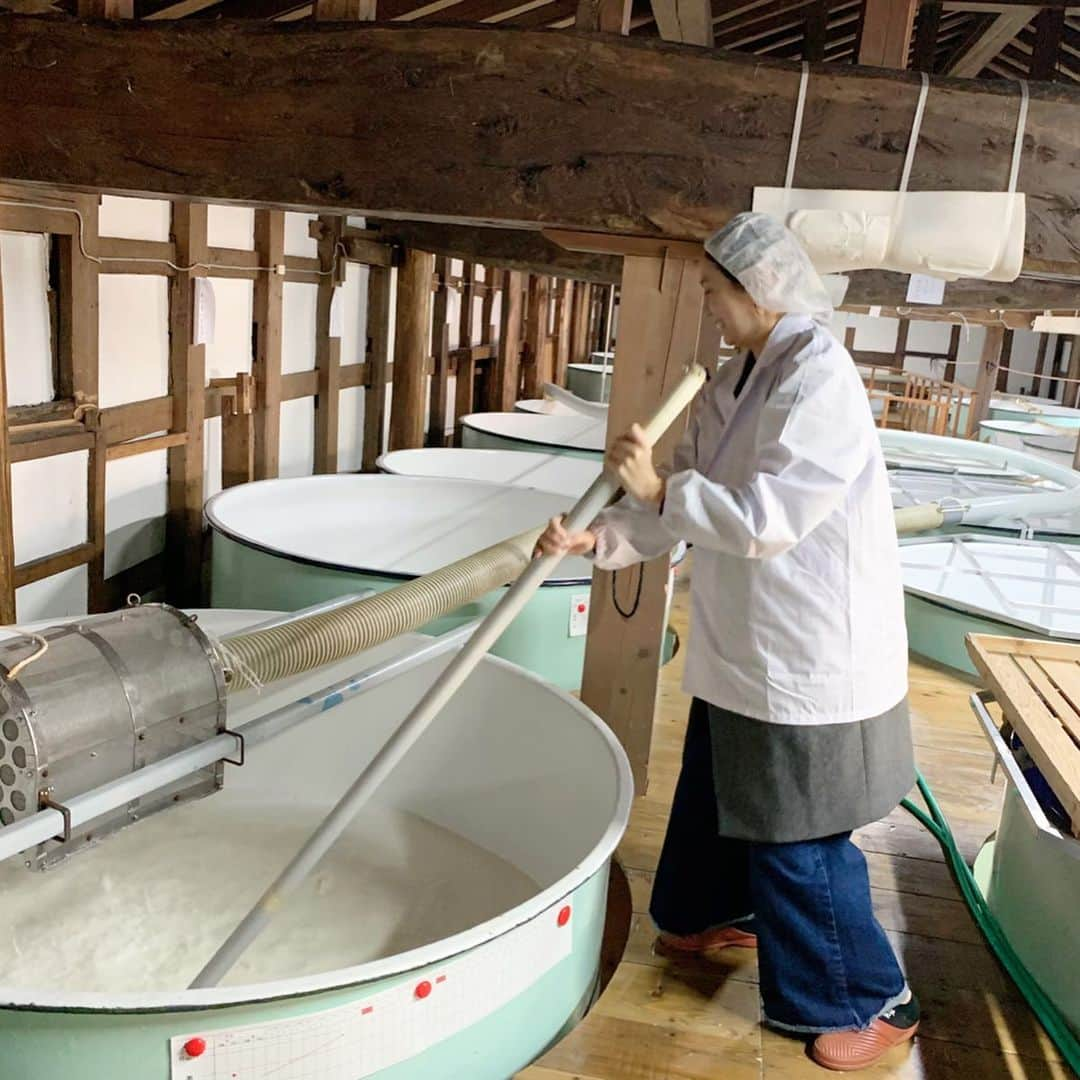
(1037, 685)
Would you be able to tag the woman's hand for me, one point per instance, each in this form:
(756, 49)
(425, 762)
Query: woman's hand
(555, 540)
(630, 458)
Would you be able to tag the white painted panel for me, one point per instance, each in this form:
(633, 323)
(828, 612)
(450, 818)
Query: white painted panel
(230, 350)
(297, 437)
(299, 301)
(351, 430)
(230, 227)
(211, 457)
(136, 491)
(354, 311)
(54, 597)
(48, 503)
(933, 337)
(972, 339)
(134, 219)
(297, 241)
(357, 221)
(1025, 351)
(24, 261)
(875, 335)
(133, 336)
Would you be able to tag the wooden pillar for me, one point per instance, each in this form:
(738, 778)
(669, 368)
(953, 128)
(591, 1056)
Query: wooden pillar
(886, 32)
(954, 352)
(378, 363)
(661, 318)
(986, 379)
(489, 335)
(1002, 384)
(78, 367)
(238, 433)
(564, 304)
(7, 537)
(106, 9)
(1071, 396)
(327, 348)
(187, 379)
(465, 386)
(508, 364)
(412, 332)
(926, 36)
(1041, 360)
(440, 348)
(266, 313)
(579, 346)
(604, 16)
(1049, 30)
(816, 31)
(900, 353)
(345, 10)
(534, 356)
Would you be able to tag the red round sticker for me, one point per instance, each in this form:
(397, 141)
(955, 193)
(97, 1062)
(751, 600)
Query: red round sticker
(423, 989)
(195, 1047)
(564, 916)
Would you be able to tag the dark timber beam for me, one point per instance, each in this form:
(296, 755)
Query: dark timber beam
(490, 125)
(512, 249)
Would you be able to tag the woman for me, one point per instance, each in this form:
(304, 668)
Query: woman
(797, 656)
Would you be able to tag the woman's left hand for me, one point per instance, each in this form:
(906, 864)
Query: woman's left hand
(630, 458)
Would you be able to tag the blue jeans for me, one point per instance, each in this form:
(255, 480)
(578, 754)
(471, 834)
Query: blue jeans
(825, 963)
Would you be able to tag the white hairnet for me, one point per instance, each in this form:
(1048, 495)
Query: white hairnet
(770, 264)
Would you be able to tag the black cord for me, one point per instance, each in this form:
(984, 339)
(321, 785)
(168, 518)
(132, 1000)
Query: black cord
(637, 596)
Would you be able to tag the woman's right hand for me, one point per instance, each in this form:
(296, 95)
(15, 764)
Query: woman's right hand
(555, 540)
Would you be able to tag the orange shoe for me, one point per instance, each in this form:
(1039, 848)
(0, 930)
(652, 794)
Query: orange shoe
(849, 1051)
(705, 943)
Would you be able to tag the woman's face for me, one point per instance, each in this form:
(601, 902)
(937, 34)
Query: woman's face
(734, 312)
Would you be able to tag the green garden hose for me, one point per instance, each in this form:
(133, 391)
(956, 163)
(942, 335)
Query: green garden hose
(1047, 1012)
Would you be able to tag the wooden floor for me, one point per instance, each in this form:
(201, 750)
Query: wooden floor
(677, 1021)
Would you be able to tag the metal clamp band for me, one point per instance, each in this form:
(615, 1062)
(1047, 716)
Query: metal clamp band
(46, 803)
(243, 747)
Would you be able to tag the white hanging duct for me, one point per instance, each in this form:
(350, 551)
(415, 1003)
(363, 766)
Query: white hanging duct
(598, 410)
(944, 234)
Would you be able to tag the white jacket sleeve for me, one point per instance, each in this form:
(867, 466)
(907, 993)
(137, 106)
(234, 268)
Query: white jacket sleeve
(812, 442)
(631, 531)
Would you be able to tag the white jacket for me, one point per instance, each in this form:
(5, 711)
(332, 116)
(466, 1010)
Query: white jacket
(797, 612)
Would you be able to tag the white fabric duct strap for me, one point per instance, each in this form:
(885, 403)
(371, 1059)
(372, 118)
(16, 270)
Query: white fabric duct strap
(429, 706)
(909, 159)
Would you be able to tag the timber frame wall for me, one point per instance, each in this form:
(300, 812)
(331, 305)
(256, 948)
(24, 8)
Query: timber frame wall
(547, 324)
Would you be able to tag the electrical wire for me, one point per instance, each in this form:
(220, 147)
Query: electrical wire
(100, 260)
(1048, 1014)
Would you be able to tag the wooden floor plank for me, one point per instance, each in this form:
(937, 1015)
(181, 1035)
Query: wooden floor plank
(690, 1019)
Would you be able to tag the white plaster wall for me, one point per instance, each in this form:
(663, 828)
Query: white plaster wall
(134, 219)
(299, 302)
(24, 264)
(136, 501)
(297, 241)
(230, 227)
(230, 351)
(133, 338)
(297, 437)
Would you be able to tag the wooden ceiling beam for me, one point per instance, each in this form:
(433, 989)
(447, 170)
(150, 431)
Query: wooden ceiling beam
(986, 45)
(1049, 30)
(886, 32)
(540, 128)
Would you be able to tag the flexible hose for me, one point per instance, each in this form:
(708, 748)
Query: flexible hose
(277, 652)
(1057, 1027)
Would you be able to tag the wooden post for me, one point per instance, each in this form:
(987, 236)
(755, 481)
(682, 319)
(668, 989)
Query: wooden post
(345, 10)
(378, 362)
(1071, 396)
(508, 365)
(106, 9)
(327, 348)
(238, 433)
(465, 386)
(412, 333)
(986, 379)
(900, 353)
(1002, 385)
(79, 376)
(816, 32)
(886, 32)
(489, 335)
(7, 537)
(954, 352)
(661, 317)
(1041, 359)
(267, 307)
(187, 371)
(579, 349)
(1049, 30)
(926, 36)
(440, 347)
(535, 354)
(564, 297)
(604, 16)
(1055, 366)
